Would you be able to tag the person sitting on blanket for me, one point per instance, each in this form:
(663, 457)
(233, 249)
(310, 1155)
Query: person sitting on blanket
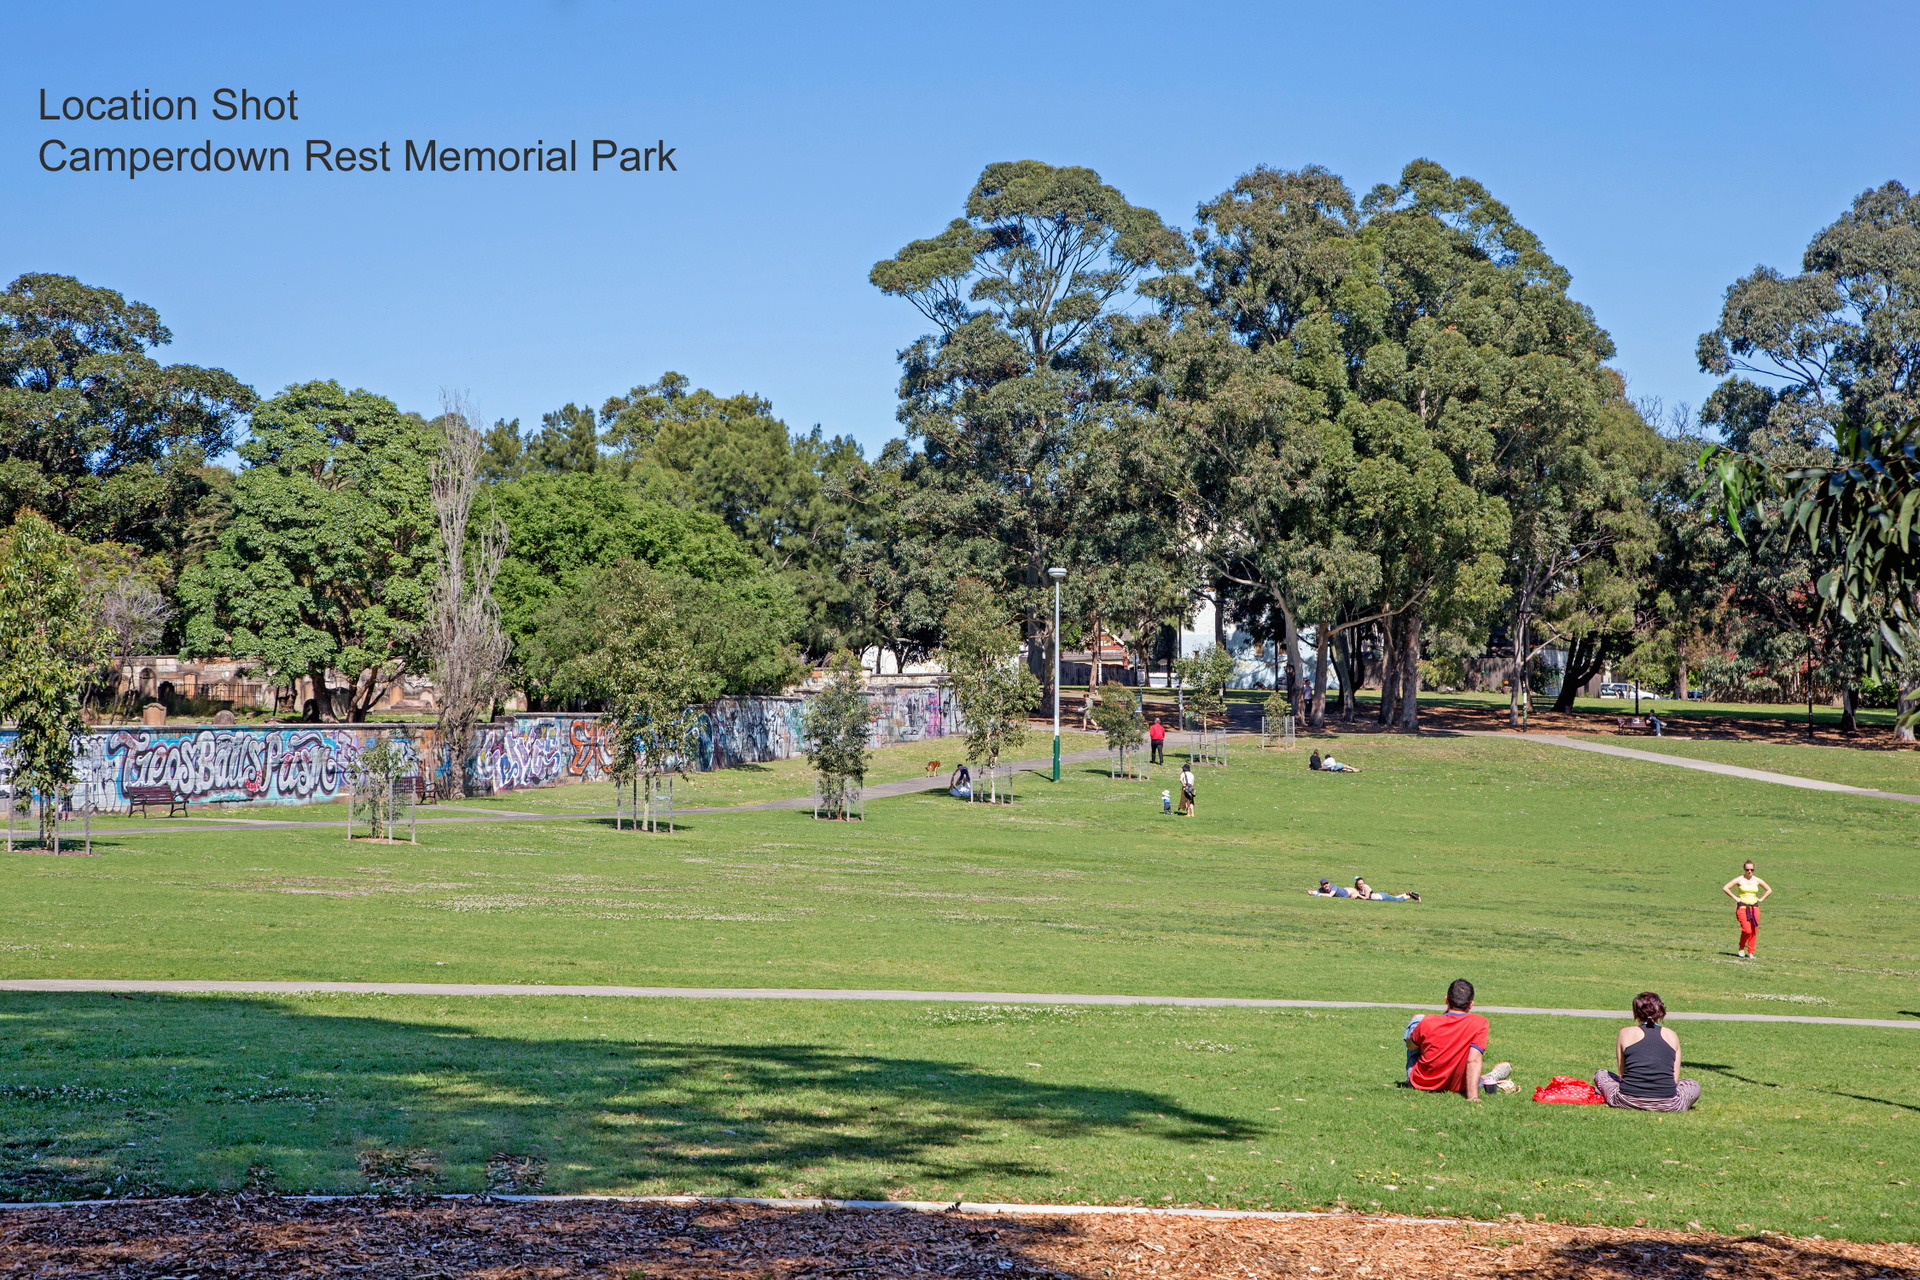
(1361, 889)
(1445, 1050)
(1646, 1059)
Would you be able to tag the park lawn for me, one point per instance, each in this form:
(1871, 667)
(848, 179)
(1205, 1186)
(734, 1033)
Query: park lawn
(1897, 771)
(1233, 1108)
(1552, 877)
(1669, 708)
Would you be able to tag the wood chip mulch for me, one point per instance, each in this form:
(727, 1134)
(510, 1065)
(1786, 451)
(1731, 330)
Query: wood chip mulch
(251, 1238)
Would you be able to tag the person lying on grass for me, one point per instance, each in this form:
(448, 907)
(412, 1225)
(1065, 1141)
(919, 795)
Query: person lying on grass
(1361, 889)
(1327, 764)
(1646, 1060)
(1445, 1050)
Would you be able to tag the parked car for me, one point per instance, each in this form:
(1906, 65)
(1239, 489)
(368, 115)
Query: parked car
(1626, 691)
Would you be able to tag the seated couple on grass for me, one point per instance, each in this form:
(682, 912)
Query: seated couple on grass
(1327, 764)
(1361, 889)
(1445, 1052)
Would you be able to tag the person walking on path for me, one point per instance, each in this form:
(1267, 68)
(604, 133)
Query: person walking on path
(1748, 891)
(1186, 789)
(1445, 1050)
(1157, 736)
(1646, 1059)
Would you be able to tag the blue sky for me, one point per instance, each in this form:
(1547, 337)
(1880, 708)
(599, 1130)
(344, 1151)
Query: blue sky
(1659, 150)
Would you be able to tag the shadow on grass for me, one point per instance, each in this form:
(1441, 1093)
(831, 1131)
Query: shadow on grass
(1722, 1069)
(116, 1096)
(1753, 1257)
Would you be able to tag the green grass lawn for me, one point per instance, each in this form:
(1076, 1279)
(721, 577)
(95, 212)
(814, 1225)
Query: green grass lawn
(1144, 1105)
(1879, 770)
(1551, 877)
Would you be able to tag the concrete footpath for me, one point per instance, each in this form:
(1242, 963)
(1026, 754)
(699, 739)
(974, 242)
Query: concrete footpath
(1704, 766)
(196, 987)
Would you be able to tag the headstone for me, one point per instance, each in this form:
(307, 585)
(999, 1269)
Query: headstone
(223, 718)
(154, 713)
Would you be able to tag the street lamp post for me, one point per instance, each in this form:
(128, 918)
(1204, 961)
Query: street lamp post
(1056, 575)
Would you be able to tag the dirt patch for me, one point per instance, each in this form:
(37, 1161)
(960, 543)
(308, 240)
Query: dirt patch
(414, 1239)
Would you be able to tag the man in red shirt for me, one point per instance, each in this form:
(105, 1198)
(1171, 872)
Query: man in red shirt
(1445, 1050)
(1158, 736)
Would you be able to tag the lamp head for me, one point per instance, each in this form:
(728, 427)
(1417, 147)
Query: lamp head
(1056, 574)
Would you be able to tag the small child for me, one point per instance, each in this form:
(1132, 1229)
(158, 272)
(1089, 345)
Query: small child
(1166, 802)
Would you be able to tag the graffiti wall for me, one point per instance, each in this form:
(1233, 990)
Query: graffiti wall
(303, 764)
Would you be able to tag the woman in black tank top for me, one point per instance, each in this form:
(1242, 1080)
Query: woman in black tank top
(1649, 1064)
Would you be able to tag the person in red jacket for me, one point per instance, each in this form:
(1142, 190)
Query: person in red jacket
(1445, 1050)
(1158, 737)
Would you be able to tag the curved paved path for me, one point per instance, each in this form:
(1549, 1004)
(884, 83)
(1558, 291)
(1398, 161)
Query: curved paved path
(200, 987)
(1687, 762)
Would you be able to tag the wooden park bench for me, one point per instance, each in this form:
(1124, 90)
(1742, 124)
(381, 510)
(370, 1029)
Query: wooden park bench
(1632, 722)
(140, 798)
(421, 789)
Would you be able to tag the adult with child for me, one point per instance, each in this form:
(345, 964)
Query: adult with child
(1748, 891)
(1186, 789)
(1445, 1050)
(1646, 1060)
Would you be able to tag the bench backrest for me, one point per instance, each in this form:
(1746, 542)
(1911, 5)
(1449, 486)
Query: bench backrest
(149, 793)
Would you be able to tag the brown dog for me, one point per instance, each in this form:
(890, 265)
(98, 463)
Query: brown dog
(933, 767)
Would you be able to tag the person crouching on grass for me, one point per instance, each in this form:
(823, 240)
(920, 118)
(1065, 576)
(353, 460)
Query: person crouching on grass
(1445, 1050)
(1646, 1059)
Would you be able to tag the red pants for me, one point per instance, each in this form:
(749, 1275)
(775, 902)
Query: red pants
(1749, 918)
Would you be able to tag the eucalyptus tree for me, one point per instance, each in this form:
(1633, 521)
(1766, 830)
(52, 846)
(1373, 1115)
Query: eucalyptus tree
(1327, 368)
(95, 434)
(1830, 358)
(1012, 396)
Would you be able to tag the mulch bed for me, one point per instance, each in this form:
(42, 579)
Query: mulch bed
(425, 1239)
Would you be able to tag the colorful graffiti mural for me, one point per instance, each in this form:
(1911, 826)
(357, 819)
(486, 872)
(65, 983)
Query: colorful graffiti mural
(301, 764)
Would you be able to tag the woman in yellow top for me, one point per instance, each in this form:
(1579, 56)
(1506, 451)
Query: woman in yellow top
(1748, 891)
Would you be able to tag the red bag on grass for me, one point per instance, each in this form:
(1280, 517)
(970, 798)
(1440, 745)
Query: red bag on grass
(1568, 1089)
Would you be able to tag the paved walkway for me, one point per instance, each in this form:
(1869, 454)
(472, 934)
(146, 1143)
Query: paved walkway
(196, 987)
(1705, 766)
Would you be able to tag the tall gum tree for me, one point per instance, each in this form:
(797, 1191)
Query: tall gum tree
(95, 434)
(1013, 396)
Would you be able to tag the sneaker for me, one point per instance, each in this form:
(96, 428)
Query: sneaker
(1501, 1070)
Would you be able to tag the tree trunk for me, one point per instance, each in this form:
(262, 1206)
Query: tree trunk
(1317, 710)
(1517, 679)
(1389, 670)
(1345, 662)
(1680, 689)
(1583, 659)
(1094, 679)
(1296, 699)
(1849, 710)
(322, 696)
(1410, 675)
(1902, 731)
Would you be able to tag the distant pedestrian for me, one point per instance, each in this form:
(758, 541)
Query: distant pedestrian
(1748, 891)
(1158, 737)
(1186, 789)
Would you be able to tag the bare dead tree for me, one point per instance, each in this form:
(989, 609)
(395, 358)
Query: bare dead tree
(469, 645)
